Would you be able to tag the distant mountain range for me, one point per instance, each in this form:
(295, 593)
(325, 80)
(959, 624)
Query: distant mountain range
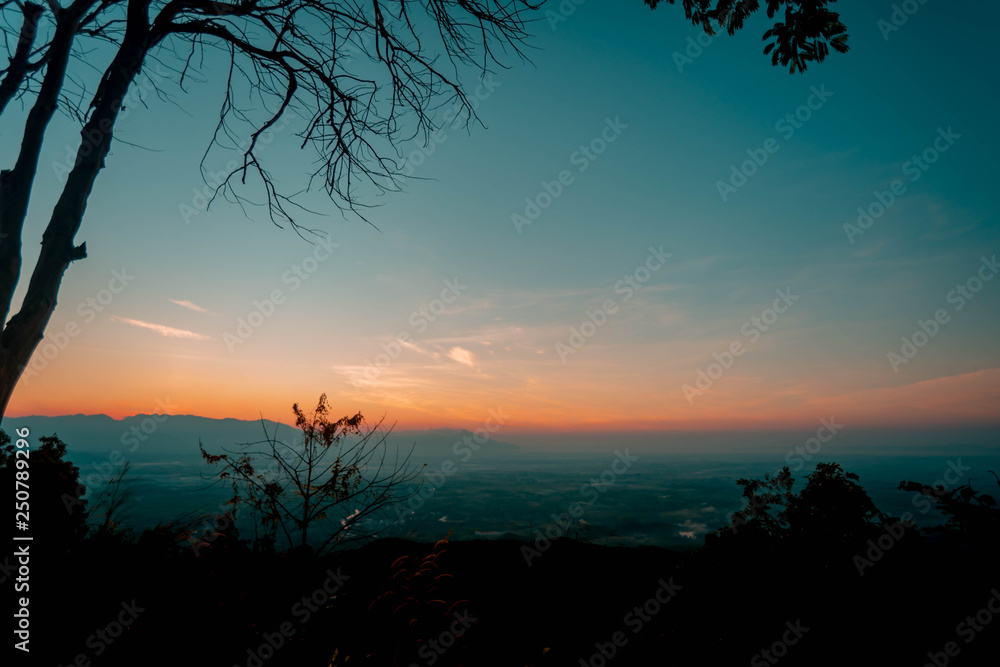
(155, 437)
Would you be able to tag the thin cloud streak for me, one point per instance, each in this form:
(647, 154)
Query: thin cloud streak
(188, 304)
(163, 330)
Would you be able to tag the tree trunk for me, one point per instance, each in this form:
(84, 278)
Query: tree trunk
(25, 330)
(17, 345)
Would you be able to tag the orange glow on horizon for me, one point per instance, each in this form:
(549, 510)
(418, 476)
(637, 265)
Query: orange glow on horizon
(967, 400)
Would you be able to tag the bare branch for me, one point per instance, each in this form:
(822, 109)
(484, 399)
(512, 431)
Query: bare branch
(18, 69)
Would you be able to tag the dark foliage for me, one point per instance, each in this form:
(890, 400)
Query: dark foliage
(863, 587)
(806, 35)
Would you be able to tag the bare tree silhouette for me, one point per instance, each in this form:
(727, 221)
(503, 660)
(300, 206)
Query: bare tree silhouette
(110, 504)
(336, 478)
(361, 76)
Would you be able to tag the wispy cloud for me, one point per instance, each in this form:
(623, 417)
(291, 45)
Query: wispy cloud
(188, 304)
(161, 329)
(462, 356)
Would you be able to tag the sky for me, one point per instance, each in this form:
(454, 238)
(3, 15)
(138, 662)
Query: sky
(662, 283)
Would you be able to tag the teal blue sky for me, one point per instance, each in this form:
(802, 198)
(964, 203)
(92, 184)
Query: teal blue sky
(656, 184)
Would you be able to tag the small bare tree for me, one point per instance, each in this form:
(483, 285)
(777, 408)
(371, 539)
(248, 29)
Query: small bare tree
(109, 505)
(339, 475)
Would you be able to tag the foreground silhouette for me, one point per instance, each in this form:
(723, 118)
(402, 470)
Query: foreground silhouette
(340, 474)
(814, 577)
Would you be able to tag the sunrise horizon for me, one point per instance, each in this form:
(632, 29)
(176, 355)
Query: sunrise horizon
(978, 412)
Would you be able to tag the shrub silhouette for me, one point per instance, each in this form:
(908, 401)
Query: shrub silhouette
(832, 509)
(416, 606)
(58, 511)
(789, 559)
(973, 517)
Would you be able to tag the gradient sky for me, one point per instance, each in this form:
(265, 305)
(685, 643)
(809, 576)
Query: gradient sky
(161, 340)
